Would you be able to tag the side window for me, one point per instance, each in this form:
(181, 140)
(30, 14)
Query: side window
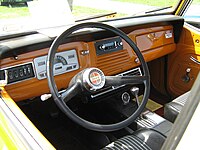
(192, 15)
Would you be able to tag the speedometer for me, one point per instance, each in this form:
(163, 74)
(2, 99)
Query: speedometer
(60, 59)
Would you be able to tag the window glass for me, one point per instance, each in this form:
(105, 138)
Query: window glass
(30, 15)
(192, 15)
(194, 10)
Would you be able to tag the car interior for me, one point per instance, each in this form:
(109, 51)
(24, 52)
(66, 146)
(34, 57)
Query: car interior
(115, 84)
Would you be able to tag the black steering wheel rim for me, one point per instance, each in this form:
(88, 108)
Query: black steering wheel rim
(61, 103)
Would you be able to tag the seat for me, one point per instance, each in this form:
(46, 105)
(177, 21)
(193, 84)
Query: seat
(172, 109)
(143, 139)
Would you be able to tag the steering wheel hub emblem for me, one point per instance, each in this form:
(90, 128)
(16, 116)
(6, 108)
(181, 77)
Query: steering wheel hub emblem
(93, 79)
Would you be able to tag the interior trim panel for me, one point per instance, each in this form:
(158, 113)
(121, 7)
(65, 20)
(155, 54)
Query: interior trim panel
(183, 70)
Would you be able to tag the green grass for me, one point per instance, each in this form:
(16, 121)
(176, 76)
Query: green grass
(84, 12)
(160, 3)
(196, 2)
(78, 12)
(14, 12)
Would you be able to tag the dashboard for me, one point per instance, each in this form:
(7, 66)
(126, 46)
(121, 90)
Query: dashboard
(27, 71)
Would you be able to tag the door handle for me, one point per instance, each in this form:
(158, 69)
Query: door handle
(194, 60)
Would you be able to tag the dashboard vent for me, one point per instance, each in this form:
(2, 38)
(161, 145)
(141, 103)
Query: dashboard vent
(133, 72)
(114, 62)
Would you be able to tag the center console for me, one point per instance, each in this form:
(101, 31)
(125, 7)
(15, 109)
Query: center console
(147, 118)
(151, 120)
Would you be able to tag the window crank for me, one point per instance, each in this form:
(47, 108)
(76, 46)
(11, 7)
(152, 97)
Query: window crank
(186, 77)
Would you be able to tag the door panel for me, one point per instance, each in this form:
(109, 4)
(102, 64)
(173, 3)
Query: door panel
(182, 71)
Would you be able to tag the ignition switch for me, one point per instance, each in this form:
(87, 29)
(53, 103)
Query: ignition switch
(126, 98)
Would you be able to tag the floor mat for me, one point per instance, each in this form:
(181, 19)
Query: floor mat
(58, 130)
(151, 105)
(62, 140)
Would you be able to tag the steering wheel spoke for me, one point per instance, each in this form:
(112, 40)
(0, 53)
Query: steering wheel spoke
(71, 91)
(124, 80)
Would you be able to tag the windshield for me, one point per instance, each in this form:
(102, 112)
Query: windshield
(20, 16)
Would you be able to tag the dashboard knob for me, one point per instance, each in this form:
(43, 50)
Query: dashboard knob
(119, 43)
(102, 47)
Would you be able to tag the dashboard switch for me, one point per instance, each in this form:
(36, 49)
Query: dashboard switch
(19, 73)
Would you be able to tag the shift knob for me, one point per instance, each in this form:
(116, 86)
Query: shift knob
(134, 92)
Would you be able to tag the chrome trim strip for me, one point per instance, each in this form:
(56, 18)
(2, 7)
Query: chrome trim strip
(194, 60)
(138, 68)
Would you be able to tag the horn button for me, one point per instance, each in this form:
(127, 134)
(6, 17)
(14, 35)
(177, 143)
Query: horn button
(93, 79)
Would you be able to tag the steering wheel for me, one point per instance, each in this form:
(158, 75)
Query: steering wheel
(92, 79)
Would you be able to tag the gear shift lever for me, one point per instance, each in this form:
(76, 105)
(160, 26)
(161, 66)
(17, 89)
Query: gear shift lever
(134, 92)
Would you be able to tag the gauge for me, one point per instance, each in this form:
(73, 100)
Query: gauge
(60, 59)
(66, 61)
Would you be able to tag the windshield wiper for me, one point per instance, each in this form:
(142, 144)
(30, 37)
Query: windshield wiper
(158, 9)
(96, 16)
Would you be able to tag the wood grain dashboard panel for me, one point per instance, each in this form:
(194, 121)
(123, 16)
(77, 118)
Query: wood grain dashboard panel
(152, 42)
